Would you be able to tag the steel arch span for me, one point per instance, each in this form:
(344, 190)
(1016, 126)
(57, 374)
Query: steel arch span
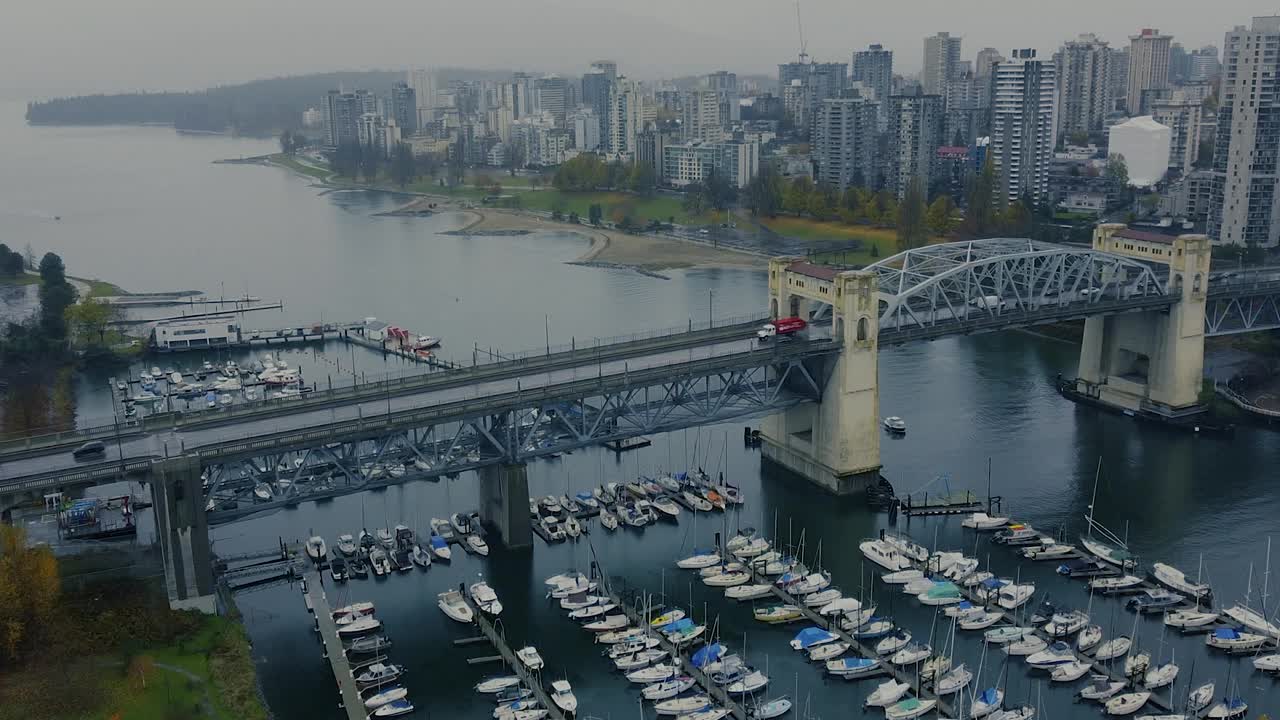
(977, 281)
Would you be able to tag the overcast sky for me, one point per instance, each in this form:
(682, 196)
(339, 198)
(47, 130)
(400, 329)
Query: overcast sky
(72, 46)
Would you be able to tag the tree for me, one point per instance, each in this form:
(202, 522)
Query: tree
(11, 263)
(403, 166)
(370, 162)
(87, 321)
(764, 192)
(1117, 170)
(720, 192)
(912, 231)
(941, 217)
(642, 179)
(29, 589)
(345, 160)
(595, 213)
(56, 295)
(796, 197)
(982, 199)
(583, 173)
(695, 199)
(291, 142)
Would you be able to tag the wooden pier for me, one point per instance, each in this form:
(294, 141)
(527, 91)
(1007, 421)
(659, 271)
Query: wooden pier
(316, 601)
(499, 643)
(714, 691)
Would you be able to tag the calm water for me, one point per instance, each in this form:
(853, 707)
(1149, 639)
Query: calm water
(144, 208)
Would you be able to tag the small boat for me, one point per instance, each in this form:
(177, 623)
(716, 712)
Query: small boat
(394, 708)
(1234, 640)
(385, 538)
(1200, 698)
(316, 549)
(1113, 648)
(1137, 664)
(358, 568)
(571, 526)
(262, 491)
(608, 520)
(1089, 637)
(1174, 579)
(391, 694)
(455, 606)
(440, 548)
(359, 609)
(1101, 688)
(872, 629)
(420, 557)
(748, 592)
(1190, 619)
(361, 626)
(1014, 596)
(655, 673)
(980, 621)
(853, 668)
(885, 555)
(822, 598)
(903, 577)
(840, 606)
(983, 521)
(756, 547)
(886, 694)
(1267, 663)
(1061, 625)
(954, 681)
(776, 707)
(485, 598)
(667, 618)
(1252, 619)
(477, 545)
(379, 673)
(749, 683)
(1158, 677)
(778, 614)
(911, 654)
(1006, 634)
(941, 594)
(461, 523)
(667, 688)
(635, 661)
(379, 561)
(1048, 550)
(591, 611)
(1017, 534)
(562, 695)
(529, 657)
(683, 705)
(1228, 709)
(977, 578)
(812, 637)
(667, 506)
(442, 527)
(893, 643)
(1029, 645)
(496, 684)
(699, 559)
(697, 502)
(986, 702)
(909, 709)
(346, 545)
(570, 505)
(611, 622)
(1119, 557)
(1069, 672)
(1114, 584)
(895, 424)
(369, 645)
(823, 653)
(1128, 703)
(1056, 654)
(811, 583)
(1156, 600)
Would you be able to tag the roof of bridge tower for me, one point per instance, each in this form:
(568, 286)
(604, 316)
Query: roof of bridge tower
(819, 272)
(1146, 236)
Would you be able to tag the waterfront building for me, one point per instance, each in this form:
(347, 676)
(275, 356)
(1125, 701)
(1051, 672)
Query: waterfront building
(214, 332)
(1148, 67)
(1024, 126)
(1245, 203)
(342, 112)
(693, 162)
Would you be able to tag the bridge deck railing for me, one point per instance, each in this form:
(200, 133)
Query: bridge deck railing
(376, 387)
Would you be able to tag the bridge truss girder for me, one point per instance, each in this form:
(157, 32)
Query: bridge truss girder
(247, 485)
(947, 283)
(1229, 315)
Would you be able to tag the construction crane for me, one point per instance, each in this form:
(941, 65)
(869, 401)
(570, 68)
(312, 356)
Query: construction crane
(804, 56)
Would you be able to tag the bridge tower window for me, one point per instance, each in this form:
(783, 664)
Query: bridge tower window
(795, 305)
(862, 329)
(839, 333)
(773, 307)
(1195, 284)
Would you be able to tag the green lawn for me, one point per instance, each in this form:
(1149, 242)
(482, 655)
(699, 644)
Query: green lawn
(616, 205)
(301, 167)
(23, 279)
(102, 288)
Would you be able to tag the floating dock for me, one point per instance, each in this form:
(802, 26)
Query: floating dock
(499, 642)
(316, 601)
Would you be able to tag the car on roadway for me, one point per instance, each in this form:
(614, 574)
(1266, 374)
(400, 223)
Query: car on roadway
(90, 450)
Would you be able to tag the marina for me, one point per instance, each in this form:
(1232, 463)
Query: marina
(317, 603)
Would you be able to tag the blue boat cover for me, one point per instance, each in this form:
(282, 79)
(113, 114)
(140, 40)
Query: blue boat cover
(851, 663)
(989, 696)
(811, 636)
(994, 583)
(965, 605)
(584, 495)
(1226, 633)
(677, 626)
(438, 542)
(707, 654)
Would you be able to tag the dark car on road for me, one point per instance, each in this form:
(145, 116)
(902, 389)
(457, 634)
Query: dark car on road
(90, 450)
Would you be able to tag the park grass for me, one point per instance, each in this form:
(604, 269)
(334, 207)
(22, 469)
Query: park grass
(819, 231)
(615, 205)
(102, 288)
(300, 167)
(23, 279)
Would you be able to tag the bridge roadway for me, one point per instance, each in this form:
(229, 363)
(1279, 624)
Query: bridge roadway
(315, 426)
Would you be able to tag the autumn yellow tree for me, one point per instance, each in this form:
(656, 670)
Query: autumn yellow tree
(29, 589)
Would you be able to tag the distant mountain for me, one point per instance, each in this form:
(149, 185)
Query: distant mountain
(260, 107)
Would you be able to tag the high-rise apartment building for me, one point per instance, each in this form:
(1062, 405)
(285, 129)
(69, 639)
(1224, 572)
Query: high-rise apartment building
(804, 85)
(423, 82)
(873, 68)
(1205, 65)
(986, 60)
(941, 61)
(1244, 206)
(1148, 67)
(844, 142)
(1084, 85)
(341, 114)
(404, 108)
(916, 125)
(551, 96)
(630, 111)
(725, 85)
(1120, 78)
(1182, 116)
(608, 67)
(700, 116)
(1023, 125)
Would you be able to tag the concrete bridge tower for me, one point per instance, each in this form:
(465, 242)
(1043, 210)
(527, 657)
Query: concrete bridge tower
(1150, 361)
(835, 443)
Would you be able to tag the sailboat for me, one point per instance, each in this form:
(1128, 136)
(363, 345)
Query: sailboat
(1107, 546)
(1245, 615)
(1161, 675)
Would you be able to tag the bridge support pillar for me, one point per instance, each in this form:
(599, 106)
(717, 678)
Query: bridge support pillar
(1150, 361)
(835, 443)
(504, 503)
(183, 531)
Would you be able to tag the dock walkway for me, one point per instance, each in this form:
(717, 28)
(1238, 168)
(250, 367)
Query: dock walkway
(716, 692)
(316, 601)
(529, 679)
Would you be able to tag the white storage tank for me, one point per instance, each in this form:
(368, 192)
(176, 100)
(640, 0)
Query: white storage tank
(1144, 143)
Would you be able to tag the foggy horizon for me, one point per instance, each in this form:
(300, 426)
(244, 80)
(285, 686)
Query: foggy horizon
(139, 45)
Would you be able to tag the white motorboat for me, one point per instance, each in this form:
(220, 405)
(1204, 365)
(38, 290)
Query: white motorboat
(902, 577)
(1048, 549)
(1114, 584)
(895, 424)
(421, 558)
(708, 713)
(379, 673)
(316, 549)
(962, 568)
(608, 520)
(909, 709)
(496, 684)
(666, 506)
(1017, 534)
(683, 705)
(841, 606)
(885, 555)
(667, 688)
(823, 653)
(442, 527)
(1088, 638)
(1064, 624)
(1128, 703)
(1006, 634)
(891, 644)
(886, 694)
(635, 644)
(906, 546)
(530, 658)
(776, 707)
(1200, 698)
(1189, 619)
(361, 626)
(571, 526)
(1267, 663)
(395, 708)
(1158, 677)
(346, 545)
(699, 559)
(440, 548)
(954, 681)
(748, 592)
(383, 697)
(1029, 645)
(983, 521)
(749, 683)
(1056, 654)
(477, 545)
(980, 621)
(986, 702)
(562, 695)
(1100, 688)
(385, 538)
(811, 583)
(1176, 580)
(697, 502)
(757, 546)
(1069, 672)
(1234, 640)
(911, 654)
(452, 603)
(461, 523)
(486, 599)
(1113, 648)
(1014, 596)
(977, 578)
(822, 597)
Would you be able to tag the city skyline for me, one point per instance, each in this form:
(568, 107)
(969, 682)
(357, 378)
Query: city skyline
(45, 54)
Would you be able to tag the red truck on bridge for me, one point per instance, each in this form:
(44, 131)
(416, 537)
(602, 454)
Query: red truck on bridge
(781, 327)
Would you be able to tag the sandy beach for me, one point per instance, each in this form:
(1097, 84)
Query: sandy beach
(608, 247)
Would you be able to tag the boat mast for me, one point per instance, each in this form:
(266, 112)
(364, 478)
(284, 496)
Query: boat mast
(1089, 517)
